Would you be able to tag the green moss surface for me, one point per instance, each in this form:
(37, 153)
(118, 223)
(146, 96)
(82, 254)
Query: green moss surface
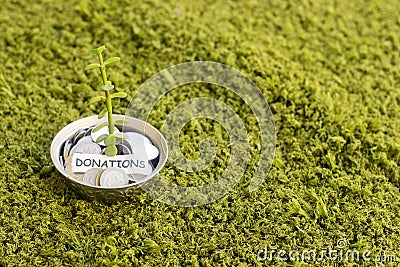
(329, 70)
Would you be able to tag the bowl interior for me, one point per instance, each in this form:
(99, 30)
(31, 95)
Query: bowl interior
(132, 124)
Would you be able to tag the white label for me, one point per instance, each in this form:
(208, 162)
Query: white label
(131, 164)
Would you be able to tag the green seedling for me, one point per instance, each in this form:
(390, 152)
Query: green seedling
(106, 85)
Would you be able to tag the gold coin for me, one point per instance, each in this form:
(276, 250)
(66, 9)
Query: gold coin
(98, 177)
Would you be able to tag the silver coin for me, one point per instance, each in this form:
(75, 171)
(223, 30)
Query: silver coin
(75, 134)
(136, 138)
(91, 175)
(127, 144)
(124, 142)
(78, 135)
(86, 148)
(124, 149)
(67, 148)
(85, 140)
(141, 144)
(127, 149)
(114, 177)
(151, 151)
(100, 132)
(61, 159)
(88, 131)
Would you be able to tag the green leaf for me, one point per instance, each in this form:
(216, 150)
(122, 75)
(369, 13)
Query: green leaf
(102, 113)
(98, 50)
(119, 95)
(92, 66)
(101, 138)
(98, 127)
(120, 122)
(107, 87)
(110, 140)
(111, 151)
(111, 60)
(96, 98)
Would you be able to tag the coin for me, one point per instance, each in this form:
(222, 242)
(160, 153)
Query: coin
(151, 151)
(78, 135)
(88, 131)
(61, 159)
(85, 140)
(100, 132)
(90, 177)
(113, 177)
(124, 148)
(68, 168)
(86, 148)
(141, 144)
(136, 138)
(98, 177)
(67, 148)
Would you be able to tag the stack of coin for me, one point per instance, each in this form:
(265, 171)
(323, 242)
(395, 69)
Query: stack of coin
(111, 177)
(79, 134)
(84, 141)
(85, 145)
(80, 142)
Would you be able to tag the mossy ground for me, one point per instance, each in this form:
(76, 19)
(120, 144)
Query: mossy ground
(329, 70)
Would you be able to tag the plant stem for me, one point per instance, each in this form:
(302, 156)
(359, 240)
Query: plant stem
(107, 94)
(109, 111)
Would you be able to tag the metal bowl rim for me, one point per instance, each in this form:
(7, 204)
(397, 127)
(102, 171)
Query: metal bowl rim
(56, 162)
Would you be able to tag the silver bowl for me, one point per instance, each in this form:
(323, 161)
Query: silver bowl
(102, 193)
